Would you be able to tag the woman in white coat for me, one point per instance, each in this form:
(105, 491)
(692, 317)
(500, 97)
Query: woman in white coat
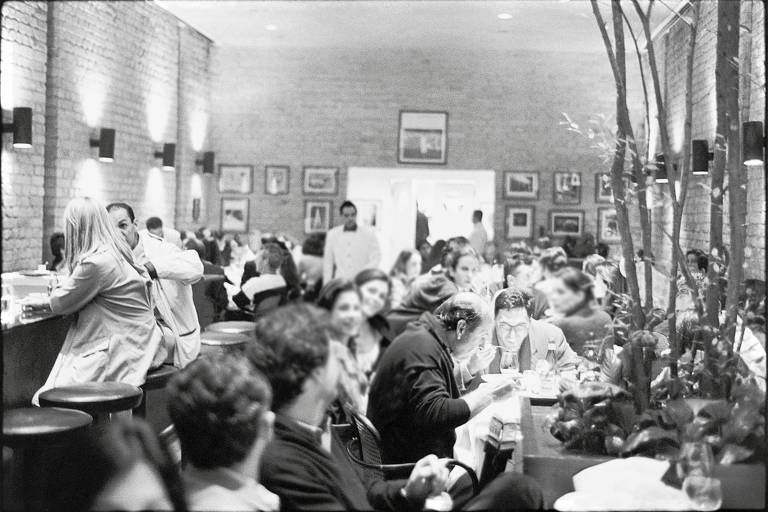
(114, 336)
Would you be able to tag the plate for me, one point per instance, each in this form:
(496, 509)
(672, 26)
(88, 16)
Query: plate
(34, 273)
(498, 378)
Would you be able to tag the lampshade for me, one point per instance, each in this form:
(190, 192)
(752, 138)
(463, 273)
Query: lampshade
(21, 127)
(207, 162)
(106, 144)
(168, 154)
(753, 143)
(700, 156)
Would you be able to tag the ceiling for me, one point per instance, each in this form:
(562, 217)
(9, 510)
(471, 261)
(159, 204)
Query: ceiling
(534, 25)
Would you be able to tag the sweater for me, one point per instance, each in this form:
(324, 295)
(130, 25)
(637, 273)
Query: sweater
(584, 324)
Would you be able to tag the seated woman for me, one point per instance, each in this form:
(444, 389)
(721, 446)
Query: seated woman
(462, 265)
(374, 336)
(116, 336)
(407, 267)
(578, 314)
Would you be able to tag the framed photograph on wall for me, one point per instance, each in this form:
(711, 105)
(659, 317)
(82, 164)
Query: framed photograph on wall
(234, 214)
(521, 184)
(369, 213)
(566, 223)
(603, 189)
(519, 222)
(317, 216)
(608, 226)
(235, 179)
(567, 189)
(422, 137)
(321, 180)
(276, 180)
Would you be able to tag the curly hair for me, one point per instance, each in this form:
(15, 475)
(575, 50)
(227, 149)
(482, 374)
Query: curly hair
(291, 342)
(512, 298)
(465, 306)
(553, 259)
(216, 403)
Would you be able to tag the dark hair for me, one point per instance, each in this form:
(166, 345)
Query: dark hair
(290, 273)
(459, 307)
(226, 252)
(402, 261)
(291, 342)
(154, 223)
(512, 298)
(702, 261)
(477, 214)
(347, 204)
(451, 258)
(553, 259)
(602, 249)
(577, 281)
(371, 274)
(57, 248)
(274, 255)
(216, 403)
(193, 244)
(513, 261)
(331, 291)
(314, 244)
(124, 206)
(436, 252)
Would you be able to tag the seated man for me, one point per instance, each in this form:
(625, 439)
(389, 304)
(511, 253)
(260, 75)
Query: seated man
(219, 405)
(301, 464)
(268, 262)
(523, 271)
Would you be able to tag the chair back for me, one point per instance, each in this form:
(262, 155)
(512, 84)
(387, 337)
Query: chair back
(268, 300)
(370, 440)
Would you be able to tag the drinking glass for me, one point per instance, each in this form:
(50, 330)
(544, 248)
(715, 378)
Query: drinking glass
(532, 381)
(704, 492)
(509, 361)
(695, 459)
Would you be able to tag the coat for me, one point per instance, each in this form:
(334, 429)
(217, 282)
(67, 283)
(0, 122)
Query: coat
(114, 336)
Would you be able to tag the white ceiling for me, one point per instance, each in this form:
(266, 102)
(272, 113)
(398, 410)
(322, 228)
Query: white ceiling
(537, 25)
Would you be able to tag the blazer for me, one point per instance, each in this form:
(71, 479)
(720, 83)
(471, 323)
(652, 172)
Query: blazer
(114, 336)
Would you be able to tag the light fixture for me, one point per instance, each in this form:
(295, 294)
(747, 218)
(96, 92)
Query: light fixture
(106, 144)
(168, 154)
(206, 162)
(661, 169)
(21, 127)
(504, 16)
(752, 142)
(700, 156)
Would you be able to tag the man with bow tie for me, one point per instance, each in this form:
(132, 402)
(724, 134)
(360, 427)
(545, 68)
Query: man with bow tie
(349, 248)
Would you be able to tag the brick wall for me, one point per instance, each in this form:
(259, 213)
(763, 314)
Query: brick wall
(130, 66)
(339, 107)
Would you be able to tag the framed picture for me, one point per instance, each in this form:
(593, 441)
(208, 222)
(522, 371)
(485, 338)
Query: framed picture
(603, 190)
(521, 184)
(566, 223)
(317, 216)
(607, 226)
(321, 180)
(567, 188)
(423, 137)
(369, 213)
(276, 179)
(234, 214)
(236, 179)
(519, 222)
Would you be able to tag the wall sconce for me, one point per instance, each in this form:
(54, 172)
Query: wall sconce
(661, 169)
(168, 154)
(206, 162)
(700, 156)
(21, 127)
(106, 144)
(753, 142)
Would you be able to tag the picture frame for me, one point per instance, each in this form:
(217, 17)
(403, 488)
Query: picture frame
(321, 180)
(603, 189)
(369, 213)
(519, 222)
(235, 179)
(521, 184)
(317, 216)
(235, 214)
(566, 223)
(277, 180)
(608, 226)
(422, 137)
(567, 187)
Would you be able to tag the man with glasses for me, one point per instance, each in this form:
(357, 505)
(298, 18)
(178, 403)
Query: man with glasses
(349, 248)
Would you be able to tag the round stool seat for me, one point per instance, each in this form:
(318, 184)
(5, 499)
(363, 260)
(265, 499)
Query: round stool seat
(223, 342)
(42, 426)
(159, 377)
(232, 327)
(93, 397)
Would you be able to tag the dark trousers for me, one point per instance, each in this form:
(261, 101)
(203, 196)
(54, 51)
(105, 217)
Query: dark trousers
(508, 491)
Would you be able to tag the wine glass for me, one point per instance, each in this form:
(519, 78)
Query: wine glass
(509, 361)
(695, 458)
(694, 467)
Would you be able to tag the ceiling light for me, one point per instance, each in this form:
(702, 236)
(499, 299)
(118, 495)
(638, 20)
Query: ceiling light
(270, 27)
(504, 16)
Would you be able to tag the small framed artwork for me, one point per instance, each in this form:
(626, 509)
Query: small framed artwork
(317, 216)
(276, 179)
(603, 189)
(567, 188)
(369, 213)
(519, 222)
(521, 184)
(234, 214)
(566, 223)
(321, 180)
(237, 179)
(608, 226)
(422, 137)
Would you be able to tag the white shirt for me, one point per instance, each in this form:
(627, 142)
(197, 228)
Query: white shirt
(349, 252)
(478, 238)
(223, 489)
(262, 283)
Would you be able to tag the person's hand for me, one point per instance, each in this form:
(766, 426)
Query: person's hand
(480, 359)
(428, 478)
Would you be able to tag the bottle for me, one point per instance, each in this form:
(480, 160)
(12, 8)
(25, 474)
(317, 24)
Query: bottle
(549, 380)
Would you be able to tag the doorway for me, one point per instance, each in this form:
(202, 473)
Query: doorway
(388, 197)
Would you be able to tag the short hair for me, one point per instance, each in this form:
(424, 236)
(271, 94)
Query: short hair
(291, 342)
(347, 204)
(602, 249)
(331, 291)
(478, 214)
(216, 403)
(371, 274)
(513, 261)
(124, 206)
(577, 281)
(553, 259)
(512, 298)
(273, 255)
(465, 306)
(154, 223)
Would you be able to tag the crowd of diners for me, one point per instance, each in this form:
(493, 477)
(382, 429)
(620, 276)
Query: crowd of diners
(407, 348)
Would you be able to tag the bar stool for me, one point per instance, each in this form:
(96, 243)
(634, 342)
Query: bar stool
(99, 399)
(36, 436)
(156, 380)
(214, 341)
(232, 327)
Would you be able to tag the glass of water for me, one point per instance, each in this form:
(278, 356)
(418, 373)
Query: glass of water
(695, 459)
(509, 361)
(704, 492)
